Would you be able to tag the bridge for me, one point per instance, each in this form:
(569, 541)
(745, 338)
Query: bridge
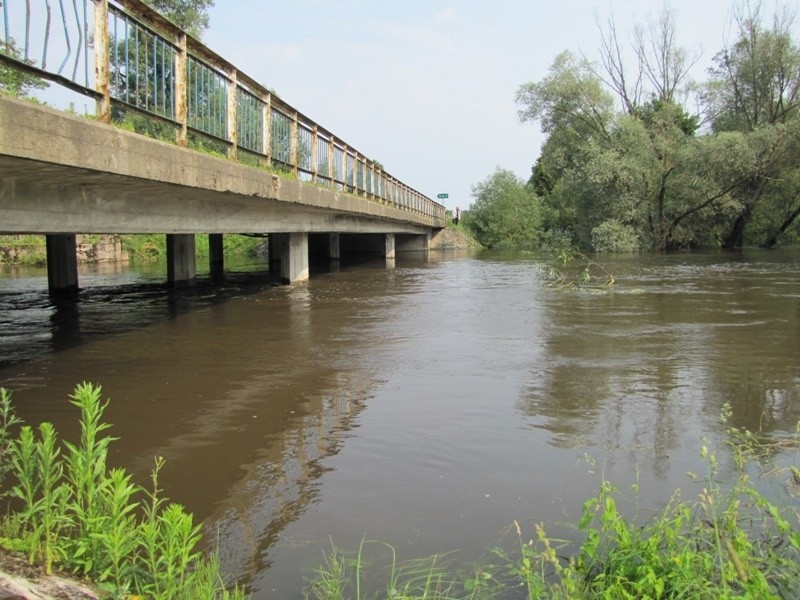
(182, 143)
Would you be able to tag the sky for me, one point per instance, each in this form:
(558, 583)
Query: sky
(427, 87)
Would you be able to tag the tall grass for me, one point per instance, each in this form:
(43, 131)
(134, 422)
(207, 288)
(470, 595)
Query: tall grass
(74, 512)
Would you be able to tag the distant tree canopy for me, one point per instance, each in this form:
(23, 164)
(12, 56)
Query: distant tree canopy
(189, 15)
(505, 213)
(14, 81)
(628, 166)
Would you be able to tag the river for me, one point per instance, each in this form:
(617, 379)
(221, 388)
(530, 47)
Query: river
(429, 405)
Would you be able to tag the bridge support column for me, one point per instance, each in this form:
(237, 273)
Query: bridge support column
(216, 260)
(334, 247)
(181, 264)
(292, 251)
(390, 247)
(62, 263)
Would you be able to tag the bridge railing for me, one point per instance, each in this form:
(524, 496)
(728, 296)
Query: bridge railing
(128, 57)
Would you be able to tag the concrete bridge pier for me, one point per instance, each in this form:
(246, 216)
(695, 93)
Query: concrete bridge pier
(62, 263)
(389, 253)
(216, 260)
(290, 251)
(181, 263)
(334, 247)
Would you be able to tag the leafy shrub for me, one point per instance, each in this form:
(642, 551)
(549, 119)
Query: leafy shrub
(613, 236)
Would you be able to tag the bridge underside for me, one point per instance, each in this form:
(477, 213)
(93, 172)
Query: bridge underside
(61, 175)
(37, 197)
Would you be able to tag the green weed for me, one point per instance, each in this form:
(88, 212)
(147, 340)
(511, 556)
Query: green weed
(76, 513)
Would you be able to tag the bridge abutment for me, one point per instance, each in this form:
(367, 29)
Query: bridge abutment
(62, 263)
(181, 262)
(413, 243)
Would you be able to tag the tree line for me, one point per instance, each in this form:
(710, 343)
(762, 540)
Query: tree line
(628, 166)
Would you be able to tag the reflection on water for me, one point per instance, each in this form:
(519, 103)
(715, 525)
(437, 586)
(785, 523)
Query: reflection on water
(428, 405)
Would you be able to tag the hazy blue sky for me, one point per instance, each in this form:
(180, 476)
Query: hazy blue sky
(427, 86)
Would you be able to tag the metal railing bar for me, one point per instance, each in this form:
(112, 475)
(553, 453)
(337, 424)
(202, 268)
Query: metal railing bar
(59, 79)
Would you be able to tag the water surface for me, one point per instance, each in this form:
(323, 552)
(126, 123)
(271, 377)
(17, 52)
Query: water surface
(428, 405)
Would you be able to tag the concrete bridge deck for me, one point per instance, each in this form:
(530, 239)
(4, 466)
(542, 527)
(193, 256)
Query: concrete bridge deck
(64, 173)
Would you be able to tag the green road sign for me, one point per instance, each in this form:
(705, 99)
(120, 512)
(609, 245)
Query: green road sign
(443, 196)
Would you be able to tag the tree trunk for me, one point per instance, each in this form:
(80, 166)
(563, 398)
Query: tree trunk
(735, 238)
(773, 239)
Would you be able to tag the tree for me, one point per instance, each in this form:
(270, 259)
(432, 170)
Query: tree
(189, 15)
(661, 69)
(15, 81)
(755, 84)
(506, 212)
(570, 97)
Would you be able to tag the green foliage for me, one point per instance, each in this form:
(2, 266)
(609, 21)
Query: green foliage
(80, 515)
(136, 122)
(341, 577)
(572, 269)
(570, 97)
(506, 213)
(189, 15)
(646, 175)
(26, 250)
(613, 236)
(14, 81)
(8, 420)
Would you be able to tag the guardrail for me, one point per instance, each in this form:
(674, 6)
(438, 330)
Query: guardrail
(127, 56)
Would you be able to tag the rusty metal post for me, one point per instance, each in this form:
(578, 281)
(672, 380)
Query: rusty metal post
(102, 75)
(331, 161)
(181, 92)
(266, 117)
(314, 153)
(344, 167)
(364, 176)
(293, 154)
(233, 122)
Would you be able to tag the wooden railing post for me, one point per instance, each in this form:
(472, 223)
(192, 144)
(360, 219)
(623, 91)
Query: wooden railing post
(181, 92)
(102, 71)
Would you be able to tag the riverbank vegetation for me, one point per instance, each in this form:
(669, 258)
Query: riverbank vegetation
(730, 541)
(29, 250)
(68, 509)
(639, 156)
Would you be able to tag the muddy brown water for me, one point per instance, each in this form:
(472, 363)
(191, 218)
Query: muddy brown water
(428, 406)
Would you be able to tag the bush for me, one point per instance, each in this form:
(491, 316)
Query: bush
(613, 236)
